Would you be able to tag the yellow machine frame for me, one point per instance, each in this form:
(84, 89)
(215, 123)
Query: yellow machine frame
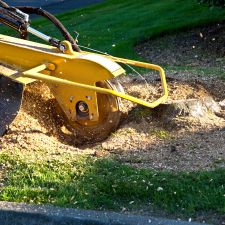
(71, 74)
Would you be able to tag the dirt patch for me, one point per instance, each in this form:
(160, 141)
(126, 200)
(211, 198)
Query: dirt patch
(37, 126)
(202, 46)
(145, 138)
(181, 143)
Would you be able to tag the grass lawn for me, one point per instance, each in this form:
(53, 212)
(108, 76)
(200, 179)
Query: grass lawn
(67, 179)
(116, 26)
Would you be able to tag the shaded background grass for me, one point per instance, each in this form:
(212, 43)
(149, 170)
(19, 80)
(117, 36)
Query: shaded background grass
(116, 26)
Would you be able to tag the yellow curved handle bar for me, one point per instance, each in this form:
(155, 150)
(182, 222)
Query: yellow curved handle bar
(34, 73)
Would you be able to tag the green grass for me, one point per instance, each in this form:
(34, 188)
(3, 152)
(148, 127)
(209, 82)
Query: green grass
(66, 179)
(124, 23)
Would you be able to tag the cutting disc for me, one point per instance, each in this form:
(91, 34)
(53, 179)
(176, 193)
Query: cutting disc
(109, 117)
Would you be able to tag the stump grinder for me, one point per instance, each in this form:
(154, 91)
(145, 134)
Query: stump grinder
(83, 83)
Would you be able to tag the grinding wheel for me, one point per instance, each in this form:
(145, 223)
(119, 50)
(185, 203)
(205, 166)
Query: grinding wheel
(109, 116)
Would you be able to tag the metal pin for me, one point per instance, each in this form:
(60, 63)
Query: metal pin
(71, 98)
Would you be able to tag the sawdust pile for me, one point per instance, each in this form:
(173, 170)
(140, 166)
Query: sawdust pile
(146, 138)
(143, 139)
(36, 125)
(156, 139)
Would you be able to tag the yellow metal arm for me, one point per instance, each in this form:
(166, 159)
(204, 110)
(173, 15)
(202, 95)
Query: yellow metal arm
(80, 70)
(147, 66)
(34, 73)
(152, 67)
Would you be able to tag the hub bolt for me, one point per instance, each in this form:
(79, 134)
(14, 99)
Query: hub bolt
(83, 107)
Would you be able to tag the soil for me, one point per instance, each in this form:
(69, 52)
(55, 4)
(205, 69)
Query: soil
(146, 138)
(202, 46)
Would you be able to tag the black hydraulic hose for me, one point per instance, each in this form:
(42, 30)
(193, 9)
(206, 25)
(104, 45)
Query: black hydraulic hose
(11, 18)
(53, 19)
